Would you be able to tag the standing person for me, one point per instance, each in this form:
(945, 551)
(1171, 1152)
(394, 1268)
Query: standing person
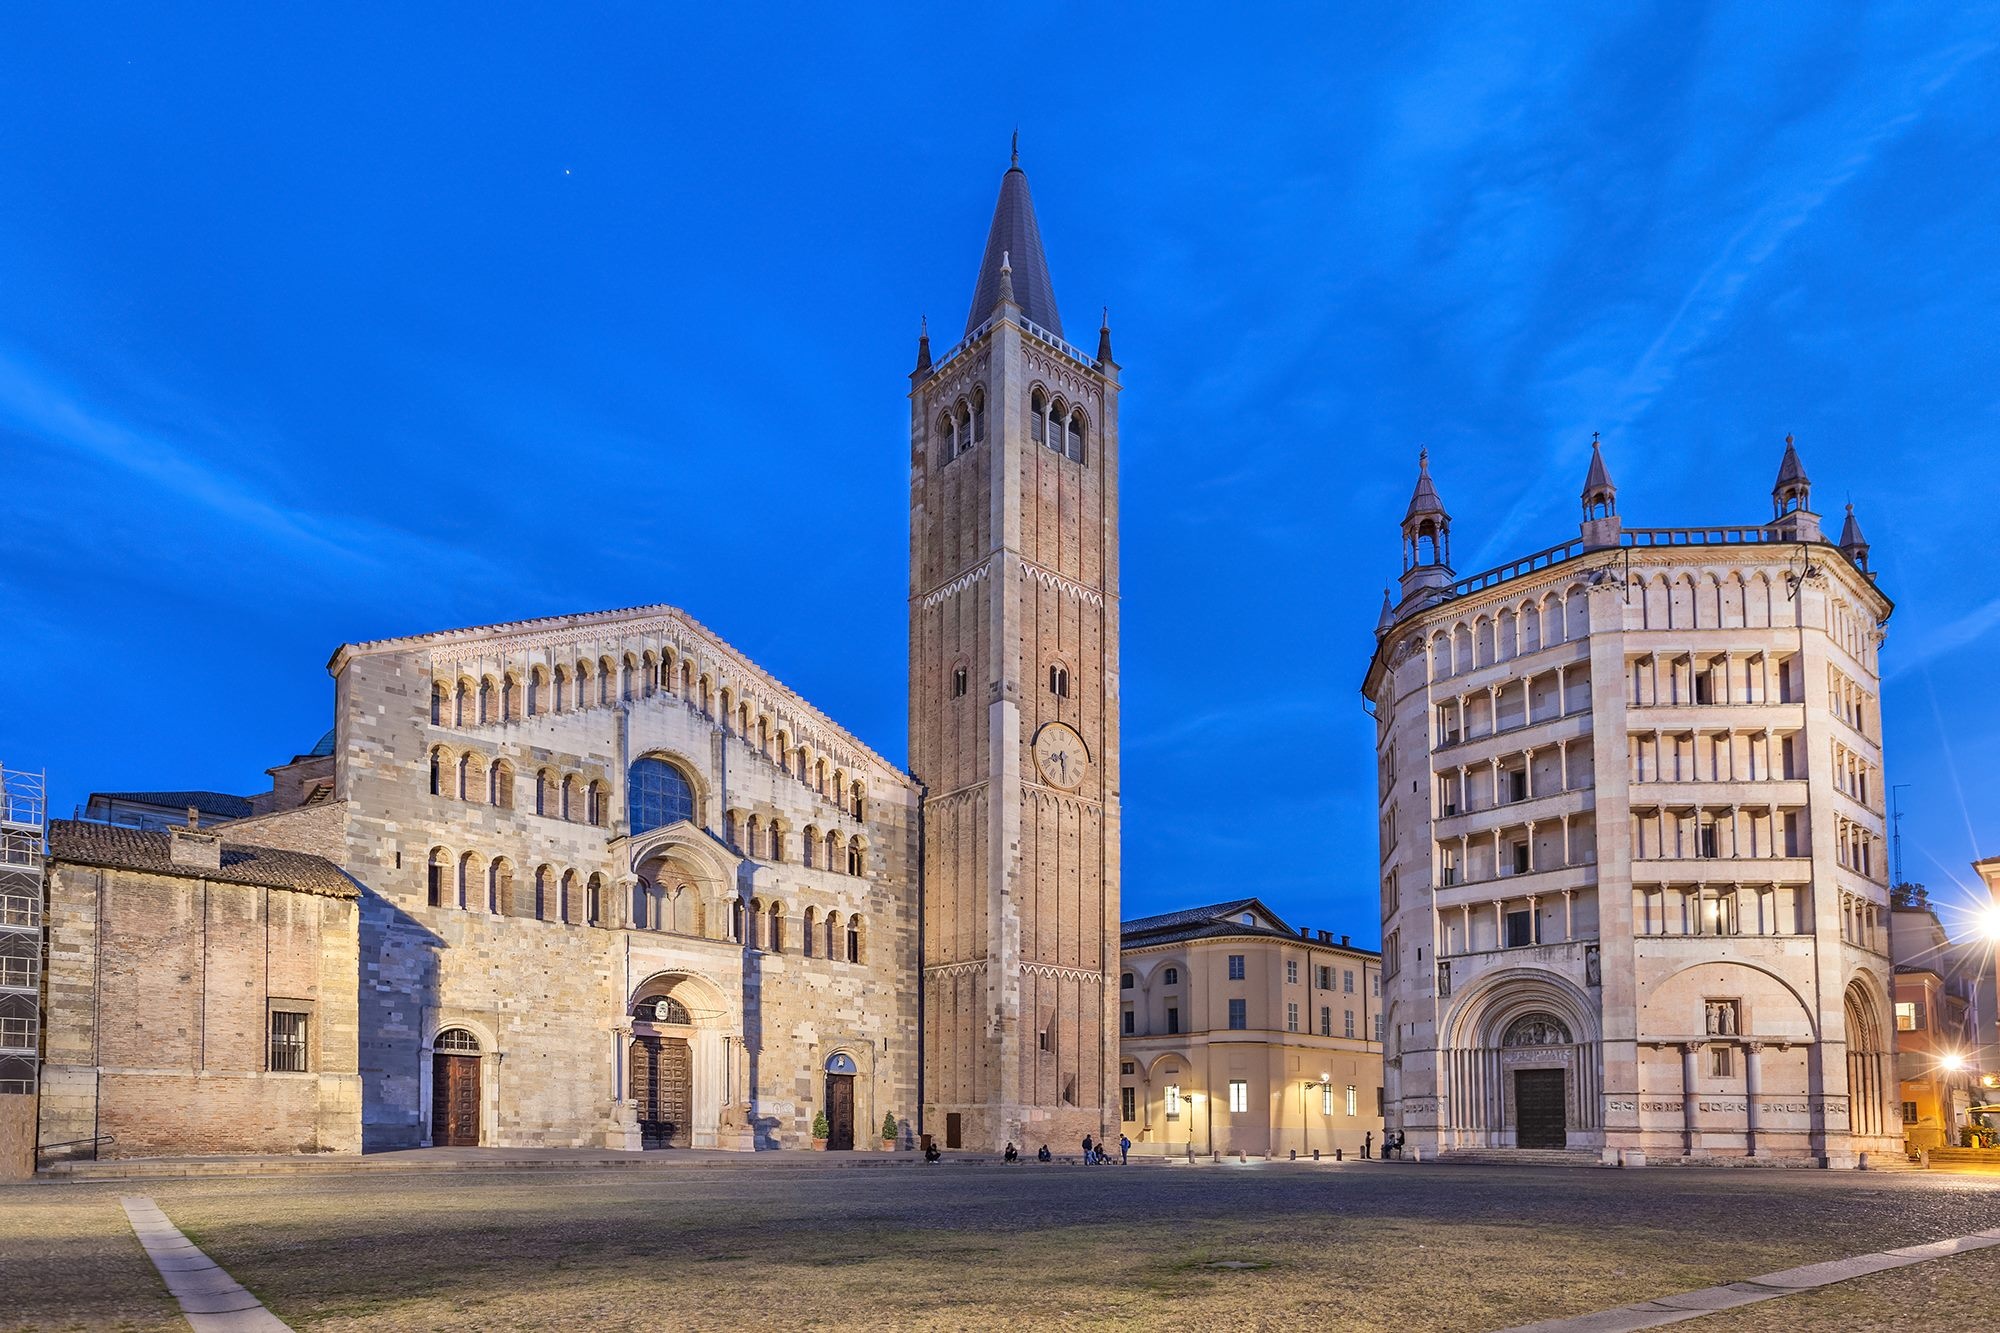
(1088, 1155)
(1367, 1144)
(1124, 1150)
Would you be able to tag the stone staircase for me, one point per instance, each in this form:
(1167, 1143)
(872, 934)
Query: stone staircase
(1520, 1157)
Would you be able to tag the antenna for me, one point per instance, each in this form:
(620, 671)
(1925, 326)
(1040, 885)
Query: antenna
(1896, 824)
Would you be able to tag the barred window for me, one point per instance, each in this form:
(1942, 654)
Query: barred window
(288, 1042)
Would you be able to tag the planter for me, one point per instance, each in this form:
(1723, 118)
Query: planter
(888, 1145)
(819, 1145)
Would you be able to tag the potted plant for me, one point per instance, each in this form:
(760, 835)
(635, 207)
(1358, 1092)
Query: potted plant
(822, 1131)
(889, 1130)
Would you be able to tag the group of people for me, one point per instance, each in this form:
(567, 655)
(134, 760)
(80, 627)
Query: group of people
(1392, 1142)
(1095, 1153)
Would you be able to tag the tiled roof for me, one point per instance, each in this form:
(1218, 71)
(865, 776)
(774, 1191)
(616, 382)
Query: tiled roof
(1191, 915)
(75, 842)
(218, 803)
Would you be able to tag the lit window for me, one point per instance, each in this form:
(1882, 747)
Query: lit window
(1239, 1095)
(1351, 1103)
(1908, 1016)
(288, 1042)
(1173, 1097)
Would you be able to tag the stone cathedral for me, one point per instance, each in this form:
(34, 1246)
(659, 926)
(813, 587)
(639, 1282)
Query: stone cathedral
(600, 880)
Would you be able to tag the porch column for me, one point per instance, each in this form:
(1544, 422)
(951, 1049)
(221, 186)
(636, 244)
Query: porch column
(1691, 1126)
(1753, 1086)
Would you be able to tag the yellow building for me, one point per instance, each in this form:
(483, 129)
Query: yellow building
(1240, 1034)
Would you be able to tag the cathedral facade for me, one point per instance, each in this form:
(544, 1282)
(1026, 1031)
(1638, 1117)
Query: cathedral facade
(615, 885)
(1635, 902)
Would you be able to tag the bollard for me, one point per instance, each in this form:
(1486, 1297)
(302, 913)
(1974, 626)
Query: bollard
(1295, 1155)
(1315, 1154)
(1240, 1156)
(1337, 1155)
(1190, 1153)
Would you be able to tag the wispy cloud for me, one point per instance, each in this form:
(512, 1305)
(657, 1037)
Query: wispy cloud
(179, 472)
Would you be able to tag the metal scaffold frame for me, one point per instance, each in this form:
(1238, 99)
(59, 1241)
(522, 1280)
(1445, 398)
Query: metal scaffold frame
(23, 843)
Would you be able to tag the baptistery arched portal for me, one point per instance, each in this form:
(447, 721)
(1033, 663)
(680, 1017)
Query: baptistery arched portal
(1521, 1055)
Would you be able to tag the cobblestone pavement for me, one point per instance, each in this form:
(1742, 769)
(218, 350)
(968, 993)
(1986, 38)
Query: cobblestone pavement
(1361, 1245)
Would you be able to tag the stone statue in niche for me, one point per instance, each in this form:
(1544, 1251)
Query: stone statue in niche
(1592, 967)
(1722, 1018)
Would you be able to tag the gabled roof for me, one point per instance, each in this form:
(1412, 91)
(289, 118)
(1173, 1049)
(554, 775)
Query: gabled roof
(217, 803)
(1016, 239)
(74, 842)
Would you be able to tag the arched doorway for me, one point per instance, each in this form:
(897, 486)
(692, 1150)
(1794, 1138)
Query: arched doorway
(662, 1069)
(455, 1091)
(1541, 1085)
(840, 1072)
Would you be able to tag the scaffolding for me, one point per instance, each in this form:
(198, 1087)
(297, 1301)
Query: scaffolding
(23, 839)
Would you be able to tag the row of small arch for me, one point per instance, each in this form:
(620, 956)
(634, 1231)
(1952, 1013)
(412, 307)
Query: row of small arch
(506, 698)
(469, 881)
(764, 840)
(565, 796)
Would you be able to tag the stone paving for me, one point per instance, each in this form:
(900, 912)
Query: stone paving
(795, 1241)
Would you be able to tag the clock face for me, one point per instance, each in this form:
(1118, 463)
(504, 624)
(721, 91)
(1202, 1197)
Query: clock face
(1060, 756)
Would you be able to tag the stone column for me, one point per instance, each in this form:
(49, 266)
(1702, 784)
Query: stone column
(1753, 1085)
(621, 1133)
(1690, 1119)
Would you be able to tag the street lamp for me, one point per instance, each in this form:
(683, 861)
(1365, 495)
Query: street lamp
(1951, 1062)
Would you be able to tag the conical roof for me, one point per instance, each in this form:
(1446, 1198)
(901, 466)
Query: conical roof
(1015, 239)
(1850, 531)
(1598, 479)
(1424, 499)
(1388, 616)
(1791, 470)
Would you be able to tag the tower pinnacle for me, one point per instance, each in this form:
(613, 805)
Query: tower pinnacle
(1015, 232)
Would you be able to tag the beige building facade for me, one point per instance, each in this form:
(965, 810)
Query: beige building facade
(1634, 893)
(1241, 1035)
(1014, 707)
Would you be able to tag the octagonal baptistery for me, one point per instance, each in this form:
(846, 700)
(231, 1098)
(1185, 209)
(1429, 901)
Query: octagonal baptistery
(623, 889)
(1635, 897)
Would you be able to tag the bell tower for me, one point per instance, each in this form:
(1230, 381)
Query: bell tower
(1014, 707)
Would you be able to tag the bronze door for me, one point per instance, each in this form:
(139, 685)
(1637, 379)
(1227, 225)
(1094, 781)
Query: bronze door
(1538, 1109)
(455, 1101)
(840, 1110)
(663, 1089)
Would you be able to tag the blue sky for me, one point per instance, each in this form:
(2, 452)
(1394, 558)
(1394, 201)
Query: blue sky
(330, 323)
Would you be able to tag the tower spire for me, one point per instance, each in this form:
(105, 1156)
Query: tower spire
(1015, 239)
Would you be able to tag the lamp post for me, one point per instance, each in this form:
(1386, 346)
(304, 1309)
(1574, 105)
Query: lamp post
(1305, 1125)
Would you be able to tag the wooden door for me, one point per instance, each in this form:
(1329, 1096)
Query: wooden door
(455, 1101)
(840, 1110)
(1538, 1109)
(663, 1090)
